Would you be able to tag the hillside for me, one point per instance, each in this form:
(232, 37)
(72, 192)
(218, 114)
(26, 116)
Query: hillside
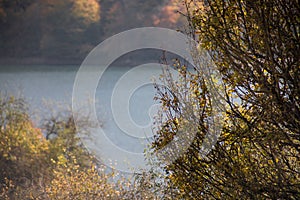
(63, 32)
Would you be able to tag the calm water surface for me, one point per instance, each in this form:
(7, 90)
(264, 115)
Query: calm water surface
(42, 83)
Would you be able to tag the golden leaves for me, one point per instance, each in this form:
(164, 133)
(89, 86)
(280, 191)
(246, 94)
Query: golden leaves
(87, 10)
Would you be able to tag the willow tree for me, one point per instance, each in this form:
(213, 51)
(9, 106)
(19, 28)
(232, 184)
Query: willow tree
(255, 46)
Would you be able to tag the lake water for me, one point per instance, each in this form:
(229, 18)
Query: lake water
(41, 83)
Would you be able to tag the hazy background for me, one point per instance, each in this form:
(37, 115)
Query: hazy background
(64, 31)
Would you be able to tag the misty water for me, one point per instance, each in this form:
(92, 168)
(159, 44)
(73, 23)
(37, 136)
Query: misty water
(44, 87)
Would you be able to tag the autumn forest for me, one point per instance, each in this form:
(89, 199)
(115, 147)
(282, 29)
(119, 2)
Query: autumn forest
(238, 105)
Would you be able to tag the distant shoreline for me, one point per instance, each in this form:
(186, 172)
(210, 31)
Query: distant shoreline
(133, 58)
(39, 61)
(68, 61)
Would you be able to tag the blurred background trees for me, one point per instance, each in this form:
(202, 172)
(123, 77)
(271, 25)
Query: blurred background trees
(65, 26)
(49, 163)
(65, 31)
